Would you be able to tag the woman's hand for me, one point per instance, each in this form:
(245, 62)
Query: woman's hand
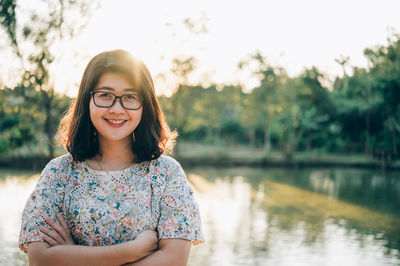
(148, 238)
(60, 235)
(145, 243)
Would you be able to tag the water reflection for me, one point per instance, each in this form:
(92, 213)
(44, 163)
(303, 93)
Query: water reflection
(296, 217)
(267, 216)
(15, 187)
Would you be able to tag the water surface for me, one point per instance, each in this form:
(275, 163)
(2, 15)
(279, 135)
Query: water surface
(266, 216)
(298, 217)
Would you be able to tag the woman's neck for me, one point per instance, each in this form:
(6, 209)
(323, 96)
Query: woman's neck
(115, 155)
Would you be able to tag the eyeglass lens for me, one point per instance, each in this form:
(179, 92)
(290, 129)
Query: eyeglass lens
(107, 99)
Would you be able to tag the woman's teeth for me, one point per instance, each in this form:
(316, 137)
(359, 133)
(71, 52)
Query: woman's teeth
(115, 122)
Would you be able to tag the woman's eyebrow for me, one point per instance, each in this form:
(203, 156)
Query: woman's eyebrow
(131, 90)
(104, 88)
(112, 89)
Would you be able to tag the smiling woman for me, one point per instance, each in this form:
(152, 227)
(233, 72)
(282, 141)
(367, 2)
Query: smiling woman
(107, 114)
(116, 197)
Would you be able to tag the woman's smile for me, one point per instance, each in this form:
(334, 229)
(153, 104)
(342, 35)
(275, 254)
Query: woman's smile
(115, 122)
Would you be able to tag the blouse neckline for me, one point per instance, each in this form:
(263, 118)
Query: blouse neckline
(91, 170)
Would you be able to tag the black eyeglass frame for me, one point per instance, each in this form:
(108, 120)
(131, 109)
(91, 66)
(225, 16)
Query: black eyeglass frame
(115, 99)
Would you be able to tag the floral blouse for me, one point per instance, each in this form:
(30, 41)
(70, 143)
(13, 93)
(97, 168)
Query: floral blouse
(111, 207)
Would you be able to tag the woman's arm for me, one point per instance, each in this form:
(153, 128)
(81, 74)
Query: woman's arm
(41, 253)
(59, 249)
(171, 252)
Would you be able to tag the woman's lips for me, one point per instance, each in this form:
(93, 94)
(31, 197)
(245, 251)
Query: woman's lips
(115, 122)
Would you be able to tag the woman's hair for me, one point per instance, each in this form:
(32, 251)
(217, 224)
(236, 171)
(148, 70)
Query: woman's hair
(152, 136)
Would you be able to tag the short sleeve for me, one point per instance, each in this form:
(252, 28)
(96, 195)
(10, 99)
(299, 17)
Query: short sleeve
(47, 199)
(179, 211)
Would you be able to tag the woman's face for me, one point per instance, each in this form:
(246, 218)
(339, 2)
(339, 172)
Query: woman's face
(114, 123)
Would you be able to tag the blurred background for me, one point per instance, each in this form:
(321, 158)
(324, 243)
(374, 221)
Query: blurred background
(288, 116)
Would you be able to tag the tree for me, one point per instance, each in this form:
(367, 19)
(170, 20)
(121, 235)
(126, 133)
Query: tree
(316, 108)
(355, 104)
(384, 71)
(264, 99)
(16, 115)
(34, 35)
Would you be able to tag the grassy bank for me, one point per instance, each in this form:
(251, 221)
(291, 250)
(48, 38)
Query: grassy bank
(194, 154)
(200, 154)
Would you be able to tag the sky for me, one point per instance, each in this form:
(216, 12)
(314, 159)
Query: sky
(289, 33)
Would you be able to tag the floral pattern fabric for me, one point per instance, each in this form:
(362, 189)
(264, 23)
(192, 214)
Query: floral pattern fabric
(111, 207)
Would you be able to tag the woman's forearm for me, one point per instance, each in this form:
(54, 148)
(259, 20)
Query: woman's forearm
(158, 258)
(41, 254)
(171, 252)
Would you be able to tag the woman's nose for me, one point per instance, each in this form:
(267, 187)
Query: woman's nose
(117, 106)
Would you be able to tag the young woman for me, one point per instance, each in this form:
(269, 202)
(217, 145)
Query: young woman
(114, 198)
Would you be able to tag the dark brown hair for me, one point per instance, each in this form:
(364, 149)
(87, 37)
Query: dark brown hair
(152, 136)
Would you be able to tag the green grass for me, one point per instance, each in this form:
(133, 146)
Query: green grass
(242, 154)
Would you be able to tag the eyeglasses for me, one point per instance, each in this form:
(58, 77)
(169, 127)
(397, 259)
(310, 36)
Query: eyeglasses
(105, 99)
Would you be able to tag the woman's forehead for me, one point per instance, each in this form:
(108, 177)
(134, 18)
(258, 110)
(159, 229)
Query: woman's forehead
(116, 82)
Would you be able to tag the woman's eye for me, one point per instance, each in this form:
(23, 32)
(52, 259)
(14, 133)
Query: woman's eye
(105, 95)
(130, 96)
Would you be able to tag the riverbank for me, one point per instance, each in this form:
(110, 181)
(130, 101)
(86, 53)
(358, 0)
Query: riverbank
(198, 154)
(192, 154)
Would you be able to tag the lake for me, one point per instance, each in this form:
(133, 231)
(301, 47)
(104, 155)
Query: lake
(266, 216)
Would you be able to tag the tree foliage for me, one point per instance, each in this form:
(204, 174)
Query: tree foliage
(360, 113)
(36, 33)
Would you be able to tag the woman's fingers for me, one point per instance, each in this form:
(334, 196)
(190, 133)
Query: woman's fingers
(62, 226)
(60, 235)
(62, 222)
(61, 230)
(56, 226)
(67, 234)
(54, 237)
(50, 241)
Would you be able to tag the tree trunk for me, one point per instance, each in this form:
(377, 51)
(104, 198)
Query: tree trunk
(308, 142)
(367, 123)
(267, 138)
(49, 129)
(47, 99)
(367, 137)
(252, 138)
(218, 136)
(288, 145)
(209, 134)
(394, 142)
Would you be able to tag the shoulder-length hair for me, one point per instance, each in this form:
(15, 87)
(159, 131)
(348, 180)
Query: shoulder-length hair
(152, 136)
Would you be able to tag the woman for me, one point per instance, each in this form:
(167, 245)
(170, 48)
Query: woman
(114, 198)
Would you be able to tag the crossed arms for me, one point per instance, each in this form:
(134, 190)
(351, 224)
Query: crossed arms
(145, 249)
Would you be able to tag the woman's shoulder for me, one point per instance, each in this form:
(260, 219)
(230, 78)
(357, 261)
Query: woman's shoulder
(167, 170)
(59, 164)
(61, 161)
(166, 162)
(56, 173)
